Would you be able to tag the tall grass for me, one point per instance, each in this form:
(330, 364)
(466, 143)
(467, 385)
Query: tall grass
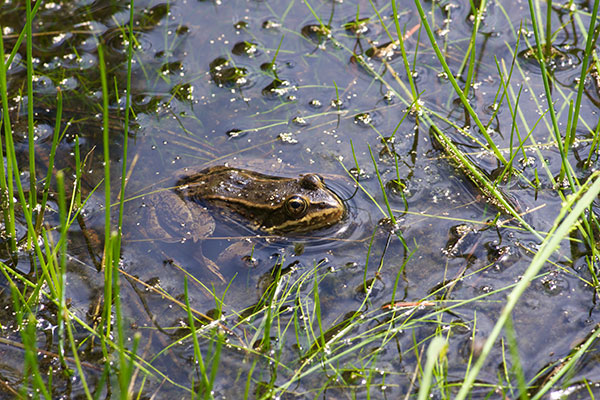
(30, 126)
(575, 204)
(50, 261)
(6, 181)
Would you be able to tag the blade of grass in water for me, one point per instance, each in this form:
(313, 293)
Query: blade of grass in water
(62, 266)
(517, 367)
(199, 360)
(548, 91)
(40, 216)
(487, 188)
(437, 347)
(30, 136)
(570, 362)
(123, 372)
(125, 129)
(584, 65)
(108, 294)
(471, 48)
(548, 48)
(457, 88)
(6, 185)
(385, 199)
(29, 337)
(400, 36)
(78, 169)
(569, 216)
(566, 169)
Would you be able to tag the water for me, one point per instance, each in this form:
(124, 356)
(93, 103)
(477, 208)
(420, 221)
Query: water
(261, 85)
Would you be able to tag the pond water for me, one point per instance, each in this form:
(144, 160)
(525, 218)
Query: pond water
(263, 86)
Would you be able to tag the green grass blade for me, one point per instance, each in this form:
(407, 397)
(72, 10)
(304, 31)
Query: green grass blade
(6, 181)
(488, 189)
(560, 230)
(457, 88)
(584, 64)
(30, 136)
(55, 137)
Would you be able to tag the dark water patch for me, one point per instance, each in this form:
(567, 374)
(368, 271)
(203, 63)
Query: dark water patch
(280, 88)
(561, 59)
(248, 49)
(117, 44)
(318, 34)
(224, 74)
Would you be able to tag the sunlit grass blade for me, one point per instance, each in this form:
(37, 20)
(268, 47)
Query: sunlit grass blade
(29, 336)
(488, 189)
(6, 181)
(30, 135)
(470, 53)
(48, 180)
(517, 366)
(457, 88)
(61, 266)
(563, 224)
(591, 36)
(548, 92)
(566, 366)
(125, 129)
(437, 348)
(107, 259)
(400, 35)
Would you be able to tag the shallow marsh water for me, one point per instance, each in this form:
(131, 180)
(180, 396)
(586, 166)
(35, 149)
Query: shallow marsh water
(204, 93)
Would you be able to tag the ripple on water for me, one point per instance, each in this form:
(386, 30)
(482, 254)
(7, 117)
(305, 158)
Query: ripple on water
(563, 58)
(316, 33)
(117, 44)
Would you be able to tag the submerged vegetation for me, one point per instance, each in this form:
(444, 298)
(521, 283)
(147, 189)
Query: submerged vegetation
(467, 266)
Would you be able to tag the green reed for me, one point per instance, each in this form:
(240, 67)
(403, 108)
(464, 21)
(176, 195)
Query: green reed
(540, 58)
(564, 222)
(390, 213)
(564, 144)
(548, 41)
(517, 366)
(455, 85)
(409, 71)
(30, 125)
(125, 128)
(592, 33)
(107, 321)
(6, 180)
(61, 269)
(55, 140)
(437, 347)
(61, 265)
(207, 388)
(470, 52)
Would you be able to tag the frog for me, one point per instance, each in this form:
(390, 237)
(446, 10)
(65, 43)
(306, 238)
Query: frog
(272, 205)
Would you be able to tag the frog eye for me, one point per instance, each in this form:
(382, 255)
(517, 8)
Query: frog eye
(296, 206)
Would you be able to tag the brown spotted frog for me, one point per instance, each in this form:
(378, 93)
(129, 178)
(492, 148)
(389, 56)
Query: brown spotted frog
(269, 204)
